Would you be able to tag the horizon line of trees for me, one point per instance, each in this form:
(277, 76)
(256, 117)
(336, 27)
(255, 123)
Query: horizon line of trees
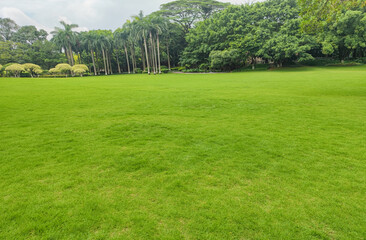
(201, 35)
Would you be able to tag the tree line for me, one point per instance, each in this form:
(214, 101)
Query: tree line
(204, 35)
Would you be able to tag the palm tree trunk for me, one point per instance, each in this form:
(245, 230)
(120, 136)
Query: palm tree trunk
(128, 61)
(95, 70)
(158, 42)
(71, 55)
(143, 58)
(155, 56)
(105, 65)
(133, 60)
(147, 56)
(152, 53)
(167, 52)
(110, 63)
(119, 68)
(67, 55)
(97, 63)
(107, 59)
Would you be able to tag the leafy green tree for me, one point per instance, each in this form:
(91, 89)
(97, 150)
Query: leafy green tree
(33, 69)
(16, 69)
(7, 28)
(80, 69)
(29, 35)
(63, 68)
(226, 60)
(45, 54)
(11, 52)
(54, 71)
(187, 12)
(346, 36)
(316, 13)
(267, 30)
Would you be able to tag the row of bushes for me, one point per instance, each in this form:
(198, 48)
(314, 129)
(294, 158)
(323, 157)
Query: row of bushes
(65, 70)
(61, 70)
(219, 59)
(33, 70)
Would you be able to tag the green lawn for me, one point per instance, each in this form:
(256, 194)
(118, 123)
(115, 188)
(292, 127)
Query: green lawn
(257, 155)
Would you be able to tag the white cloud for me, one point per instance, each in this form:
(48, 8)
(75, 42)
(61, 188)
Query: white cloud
(88, 14)
(20, 17)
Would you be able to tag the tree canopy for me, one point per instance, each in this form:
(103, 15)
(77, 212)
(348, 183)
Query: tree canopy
(316, 13)
(32, 68)
(187, 12)
(7, 28)
(15, 68)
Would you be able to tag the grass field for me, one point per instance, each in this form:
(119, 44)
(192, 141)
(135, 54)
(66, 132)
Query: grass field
(262, 155)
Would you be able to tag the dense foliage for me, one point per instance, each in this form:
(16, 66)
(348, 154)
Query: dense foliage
(270, 31)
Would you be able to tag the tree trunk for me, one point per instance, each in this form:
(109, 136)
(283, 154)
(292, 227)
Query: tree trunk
(105, 65)
(107, 60)
(128, 61)
(133, 60)
(147, 57)
(119, 68)
(67, 55)
(167, 51)
(71, 55)
(152, 58)
(110, 63)
(96, 63)
(155, 57)
(79, 57)
(158, 42)
(95, 70)
(143, 58)
(152, 53)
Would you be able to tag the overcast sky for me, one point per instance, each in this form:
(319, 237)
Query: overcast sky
(88, 14)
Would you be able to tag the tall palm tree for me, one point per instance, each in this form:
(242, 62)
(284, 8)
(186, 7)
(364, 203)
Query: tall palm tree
(65, 38)
(142, 28)
(121, 36)
(102, 45)
(89, 39)
(159, 24)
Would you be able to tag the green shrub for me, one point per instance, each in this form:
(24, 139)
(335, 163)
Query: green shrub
(80, 69)
(320, 62)
(258, 67)
(63, 68)
(361, 60)
(32, 69)
(204, 67)
(226, 60)
(25, 74)
(15, 69)
(164, 69)
(138, 70)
